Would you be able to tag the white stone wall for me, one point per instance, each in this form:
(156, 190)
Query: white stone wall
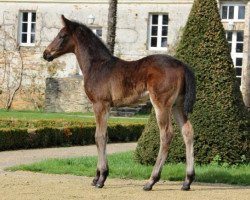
(245, 86)
(132, 26)
(131, 41)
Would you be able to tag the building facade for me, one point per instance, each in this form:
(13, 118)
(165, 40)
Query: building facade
(144, 27)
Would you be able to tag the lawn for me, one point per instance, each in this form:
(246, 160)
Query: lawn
(122, 166)
(31, 119)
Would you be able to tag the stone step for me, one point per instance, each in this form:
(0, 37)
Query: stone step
(131, 111)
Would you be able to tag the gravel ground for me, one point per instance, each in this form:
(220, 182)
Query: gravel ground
(34, 186)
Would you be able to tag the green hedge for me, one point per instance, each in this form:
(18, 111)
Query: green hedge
(220, 120)
(38, 123)
(11, 139)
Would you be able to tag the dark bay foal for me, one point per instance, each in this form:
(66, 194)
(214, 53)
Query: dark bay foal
(110, 81)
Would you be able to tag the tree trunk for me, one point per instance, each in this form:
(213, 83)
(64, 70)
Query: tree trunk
(112, 25)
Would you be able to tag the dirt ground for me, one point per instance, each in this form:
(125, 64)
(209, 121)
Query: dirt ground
(36, 186)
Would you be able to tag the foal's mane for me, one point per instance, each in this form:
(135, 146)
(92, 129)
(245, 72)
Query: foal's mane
(96, 48)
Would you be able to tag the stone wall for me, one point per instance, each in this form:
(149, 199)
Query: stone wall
(245, 87)
(131, 41)
(66, 95)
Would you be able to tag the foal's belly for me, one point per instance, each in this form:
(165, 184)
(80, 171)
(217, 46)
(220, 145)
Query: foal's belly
(131, 100)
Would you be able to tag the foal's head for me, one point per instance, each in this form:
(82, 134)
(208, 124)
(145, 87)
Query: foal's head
(62, 44)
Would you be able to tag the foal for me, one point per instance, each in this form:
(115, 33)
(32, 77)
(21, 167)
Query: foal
(110, 81)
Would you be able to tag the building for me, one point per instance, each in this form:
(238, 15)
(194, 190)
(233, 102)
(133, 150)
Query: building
(143, 27)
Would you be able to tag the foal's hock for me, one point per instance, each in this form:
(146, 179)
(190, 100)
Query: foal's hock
(110, 81)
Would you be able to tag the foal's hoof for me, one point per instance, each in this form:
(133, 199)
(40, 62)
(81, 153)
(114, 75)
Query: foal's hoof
(185, 187)
(147, 187)
(99, 185)
(94, 182)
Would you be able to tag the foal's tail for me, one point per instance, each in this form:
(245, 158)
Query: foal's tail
(190, 90)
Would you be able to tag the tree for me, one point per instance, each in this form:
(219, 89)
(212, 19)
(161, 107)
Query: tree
(112, 15)
(220, 119)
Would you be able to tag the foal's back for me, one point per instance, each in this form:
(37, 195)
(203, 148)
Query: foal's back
(160, 75)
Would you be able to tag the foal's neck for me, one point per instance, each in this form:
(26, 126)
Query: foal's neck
(89, 55)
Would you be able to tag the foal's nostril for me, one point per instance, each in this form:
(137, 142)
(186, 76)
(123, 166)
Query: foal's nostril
(44, 55)
(47, 56)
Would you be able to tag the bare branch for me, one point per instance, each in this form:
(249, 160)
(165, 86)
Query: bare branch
(11, 97)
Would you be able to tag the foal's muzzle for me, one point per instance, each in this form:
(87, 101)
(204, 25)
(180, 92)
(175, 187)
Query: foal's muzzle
(47, 56)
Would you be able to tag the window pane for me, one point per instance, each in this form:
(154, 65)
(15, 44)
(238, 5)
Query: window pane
(99, 32)
(224, 12)
(239, 47)
(154, 19)
(239, 81)
(229, 36)
(25, 17)
(240, 36)
(164, 31)
(165, 20)
(32, 38)
(33, 27)
(24, 38)
(154, 30)
(241, 13)
(163, 42)
(238, 71)
(33, 17)
(230, 46)
(239, 62)
(153, 42)
(24, 27)
(231, 12)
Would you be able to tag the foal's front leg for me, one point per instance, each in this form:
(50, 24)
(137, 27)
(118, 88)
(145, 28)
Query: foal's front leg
(101, 114)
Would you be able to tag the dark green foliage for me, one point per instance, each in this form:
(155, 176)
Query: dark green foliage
(20, 123)
(220, 119)
(148, 144)
(48, 137)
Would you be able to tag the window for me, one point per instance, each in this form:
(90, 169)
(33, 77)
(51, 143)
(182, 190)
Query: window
(97, 31)
(27, 28)
(158, 31)
(236, 40)
(233, 12)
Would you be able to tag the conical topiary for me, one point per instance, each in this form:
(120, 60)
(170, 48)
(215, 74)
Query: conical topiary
(148, 144)
(220, 119)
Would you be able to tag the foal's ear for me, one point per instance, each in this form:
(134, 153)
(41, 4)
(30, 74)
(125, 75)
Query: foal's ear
(68, 24)
(65, 21)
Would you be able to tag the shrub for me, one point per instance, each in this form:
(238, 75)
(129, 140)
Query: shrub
(220, 119)
(48, 137)
(148, 144)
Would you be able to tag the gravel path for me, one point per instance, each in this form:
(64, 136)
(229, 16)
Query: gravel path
(36, 186)
(11, 158)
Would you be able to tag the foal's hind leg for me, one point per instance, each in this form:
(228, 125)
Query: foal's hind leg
(101, 113)
(187, 132)
(166, 134)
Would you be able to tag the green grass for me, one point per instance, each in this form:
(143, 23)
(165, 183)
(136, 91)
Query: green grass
(33, 119)
(123, 166)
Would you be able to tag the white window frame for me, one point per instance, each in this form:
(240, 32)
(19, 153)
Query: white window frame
(159, 33)
(29, 31)
(236, 12)
(235, 54)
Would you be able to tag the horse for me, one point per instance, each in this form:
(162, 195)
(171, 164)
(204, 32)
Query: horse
(110, 81)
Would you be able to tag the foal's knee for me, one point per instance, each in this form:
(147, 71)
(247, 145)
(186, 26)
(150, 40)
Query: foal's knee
(167, 138)
(166, 135)
(100, 138)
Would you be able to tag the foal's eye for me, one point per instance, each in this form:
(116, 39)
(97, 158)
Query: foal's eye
(63, 36)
